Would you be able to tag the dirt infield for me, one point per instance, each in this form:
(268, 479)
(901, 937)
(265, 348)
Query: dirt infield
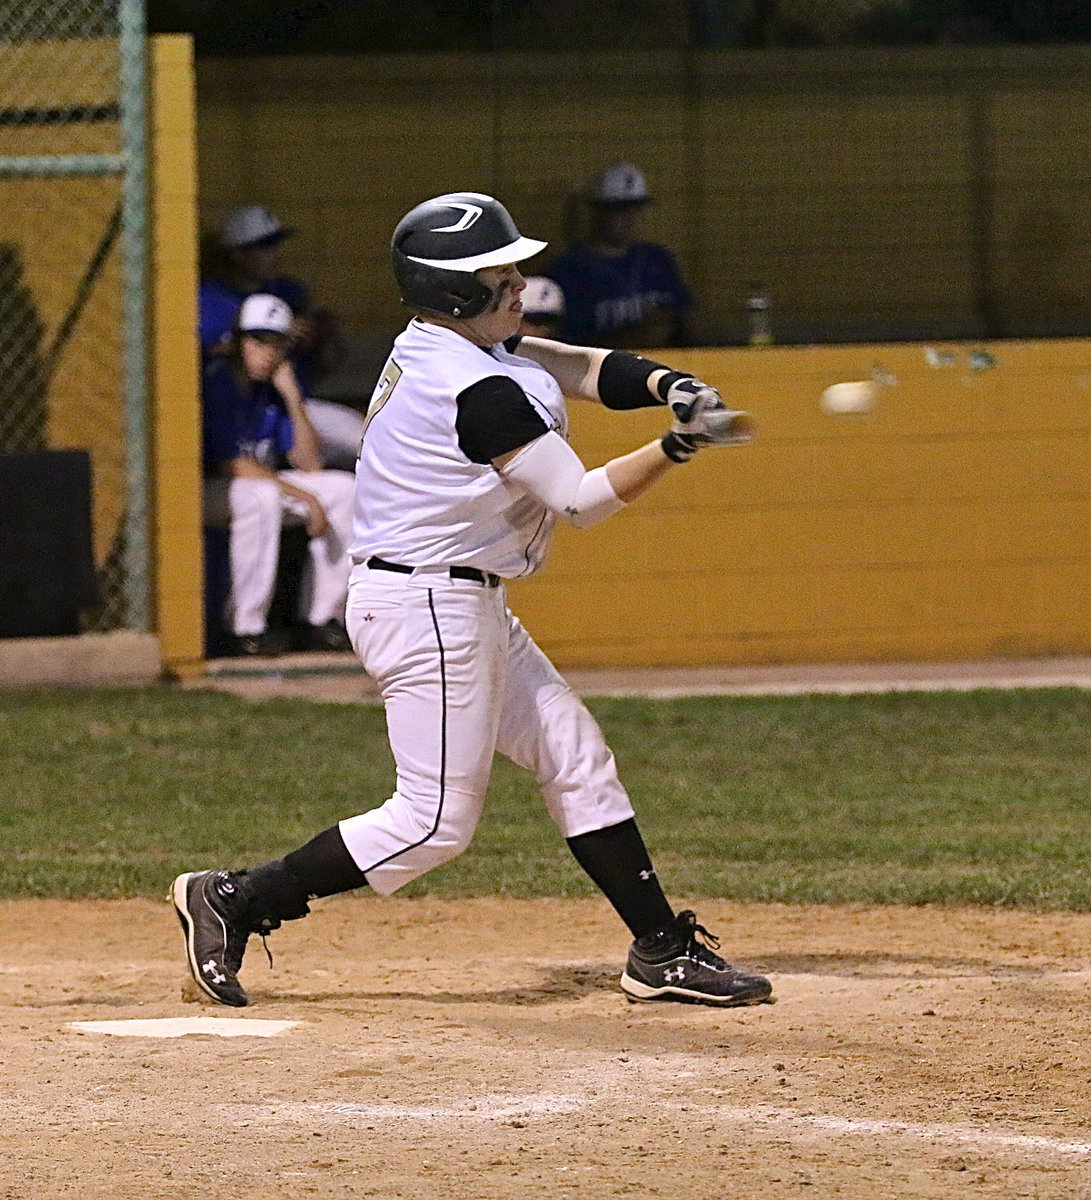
(478, 1050)
(339, 678)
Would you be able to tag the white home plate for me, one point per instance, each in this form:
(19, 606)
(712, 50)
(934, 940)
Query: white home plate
(169, 1027)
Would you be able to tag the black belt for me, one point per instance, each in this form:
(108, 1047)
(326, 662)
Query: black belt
(471, 573)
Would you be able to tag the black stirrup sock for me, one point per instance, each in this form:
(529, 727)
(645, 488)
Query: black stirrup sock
(618, 862)
(324, 866)
(272, 894)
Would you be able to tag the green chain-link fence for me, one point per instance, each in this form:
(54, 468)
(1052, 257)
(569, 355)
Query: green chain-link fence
(72, 237)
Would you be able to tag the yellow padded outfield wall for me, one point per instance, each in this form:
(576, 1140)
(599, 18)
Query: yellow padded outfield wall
(890, 193)
(174, 375)
(952, 521)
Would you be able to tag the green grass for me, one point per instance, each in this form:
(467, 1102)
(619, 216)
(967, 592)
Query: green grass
(979, 797)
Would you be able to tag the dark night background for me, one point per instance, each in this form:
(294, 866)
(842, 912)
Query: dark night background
(249, 27)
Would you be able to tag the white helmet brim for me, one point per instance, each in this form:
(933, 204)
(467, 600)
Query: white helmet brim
(512, 253)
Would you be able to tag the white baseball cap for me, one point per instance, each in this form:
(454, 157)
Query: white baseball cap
(250, 226)
(621, 183)
(542, 297)
(262, 313)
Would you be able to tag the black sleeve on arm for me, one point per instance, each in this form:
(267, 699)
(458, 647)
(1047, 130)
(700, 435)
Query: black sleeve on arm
(494, 417)
(623, 380)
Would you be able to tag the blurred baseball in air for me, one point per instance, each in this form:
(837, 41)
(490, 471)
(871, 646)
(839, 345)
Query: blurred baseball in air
(855, 397)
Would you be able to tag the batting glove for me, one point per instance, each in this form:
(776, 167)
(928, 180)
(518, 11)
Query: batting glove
(700, 419)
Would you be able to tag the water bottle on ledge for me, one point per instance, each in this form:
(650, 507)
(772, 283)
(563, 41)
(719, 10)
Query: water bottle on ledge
(759, 306)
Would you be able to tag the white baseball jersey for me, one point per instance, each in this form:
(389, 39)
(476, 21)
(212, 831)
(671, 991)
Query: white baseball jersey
(426, 492)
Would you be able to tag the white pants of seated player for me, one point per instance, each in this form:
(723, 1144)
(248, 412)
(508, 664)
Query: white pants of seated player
(460, 679)
(254, 510)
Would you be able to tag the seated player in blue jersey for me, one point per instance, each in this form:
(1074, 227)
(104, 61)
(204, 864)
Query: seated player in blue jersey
(262, 470)
(249, 260)
(621, 292)
(464, 471)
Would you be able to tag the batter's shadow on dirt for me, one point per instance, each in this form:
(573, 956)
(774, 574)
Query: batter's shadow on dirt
(85, 1000)
(875, 965)
(558, 983)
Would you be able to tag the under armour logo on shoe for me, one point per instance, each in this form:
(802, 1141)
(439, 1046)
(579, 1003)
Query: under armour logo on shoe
(646, 875)
(213, 972)
(677, 973)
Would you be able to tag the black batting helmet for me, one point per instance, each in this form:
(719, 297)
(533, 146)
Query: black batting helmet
(438, 246)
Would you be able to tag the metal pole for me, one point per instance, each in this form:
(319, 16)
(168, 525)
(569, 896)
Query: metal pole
(26, 166)
(136, 551)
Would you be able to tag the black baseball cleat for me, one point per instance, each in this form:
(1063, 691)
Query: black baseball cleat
(674, 965)
(328, 637)
(270, 643)
(210, 906)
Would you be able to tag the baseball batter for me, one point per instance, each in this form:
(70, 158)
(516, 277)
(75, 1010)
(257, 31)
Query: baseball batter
(463, 471)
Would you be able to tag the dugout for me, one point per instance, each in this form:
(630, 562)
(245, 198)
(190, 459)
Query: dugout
(934, 192)
(947, 523)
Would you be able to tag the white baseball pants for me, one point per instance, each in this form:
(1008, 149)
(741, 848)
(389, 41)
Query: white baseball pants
(460, 679)
(254, 510)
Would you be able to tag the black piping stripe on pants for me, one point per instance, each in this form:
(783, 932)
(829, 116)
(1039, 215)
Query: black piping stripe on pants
(442, 743)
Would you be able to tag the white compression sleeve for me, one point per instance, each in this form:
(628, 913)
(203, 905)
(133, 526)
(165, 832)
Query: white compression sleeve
(551, 471)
